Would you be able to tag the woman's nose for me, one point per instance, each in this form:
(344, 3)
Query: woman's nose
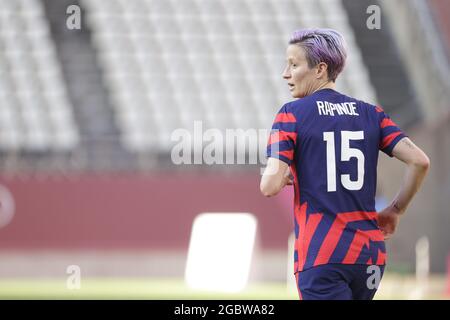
(286, 73)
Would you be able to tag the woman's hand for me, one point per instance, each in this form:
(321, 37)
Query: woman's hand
(288, 179)
(276, 176)
(388, 220)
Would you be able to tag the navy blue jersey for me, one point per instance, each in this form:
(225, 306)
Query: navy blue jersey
(331, 142)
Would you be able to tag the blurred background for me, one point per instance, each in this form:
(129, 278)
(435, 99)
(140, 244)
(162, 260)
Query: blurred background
(92, 204)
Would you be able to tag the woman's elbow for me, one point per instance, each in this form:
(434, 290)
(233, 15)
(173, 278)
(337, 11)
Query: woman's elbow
(267, 190)
(422, 162)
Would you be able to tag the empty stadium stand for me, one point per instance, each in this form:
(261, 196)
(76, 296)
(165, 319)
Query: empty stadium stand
(169, 63)
(99, 146)
(112, 93)
(35, 113)
(387, 72)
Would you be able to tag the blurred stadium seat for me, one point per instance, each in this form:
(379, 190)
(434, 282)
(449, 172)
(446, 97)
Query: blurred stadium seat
(36, 113)
(172, 61)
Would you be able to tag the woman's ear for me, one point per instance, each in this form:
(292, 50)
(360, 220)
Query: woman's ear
(321, 70)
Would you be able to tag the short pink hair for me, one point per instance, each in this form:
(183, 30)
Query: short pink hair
(322, 45)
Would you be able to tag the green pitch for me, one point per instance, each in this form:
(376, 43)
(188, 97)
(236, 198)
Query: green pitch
(125, 288)
(153, 289)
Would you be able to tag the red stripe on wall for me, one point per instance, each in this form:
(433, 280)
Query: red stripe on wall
(132, 211)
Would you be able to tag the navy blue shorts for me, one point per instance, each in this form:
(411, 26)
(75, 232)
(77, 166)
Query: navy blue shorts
(339, 282)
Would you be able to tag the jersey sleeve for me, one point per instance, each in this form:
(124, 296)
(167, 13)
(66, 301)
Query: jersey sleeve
(390, 133)
(283, 136)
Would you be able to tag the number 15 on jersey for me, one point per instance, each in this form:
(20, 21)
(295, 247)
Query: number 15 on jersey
(345, 155)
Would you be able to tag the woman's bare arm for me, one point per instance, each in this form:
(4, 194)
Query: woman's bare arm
(275, 177)
(417, 165)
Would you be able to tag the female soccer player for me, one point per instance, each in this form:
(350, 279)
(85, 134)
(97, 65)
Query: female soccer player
(326, 144)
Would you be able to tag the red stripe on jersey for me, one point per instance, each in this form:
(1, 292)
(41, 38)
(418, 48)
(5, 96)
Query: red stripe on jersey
(296, 209)
(310, 228)
(298, 287)
(370, 261)
(337, 228)
(387, 123)
(285, 117)
(388, 139)
(282, 136)
(379, 109)
(288, 154)
(360, 240)
(381, 257)
(300, 216)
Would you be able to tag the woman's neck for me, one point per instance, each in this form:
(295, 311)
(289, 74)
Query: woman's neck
(326, 85)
